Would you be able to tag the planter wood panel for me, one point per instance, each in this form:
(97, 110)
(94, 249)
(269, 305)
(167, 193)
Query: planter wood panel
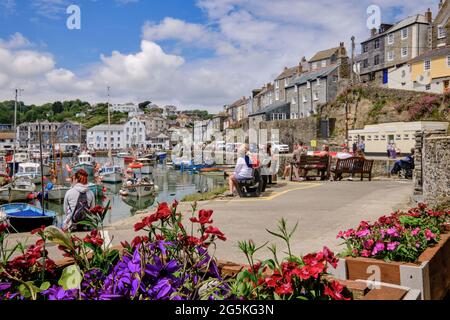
(430, 275)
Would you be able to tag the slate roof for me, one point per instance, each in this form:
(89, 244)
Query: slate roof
(288, 72)
(305, 77)
(269, 108)
(105, 127)
(325, 54)
(439, 52)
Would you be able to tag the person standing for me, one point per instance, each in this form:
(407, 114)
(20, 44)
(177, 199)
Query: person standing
(362, 146)
(242, 171)
(77, 202)
(266, 163)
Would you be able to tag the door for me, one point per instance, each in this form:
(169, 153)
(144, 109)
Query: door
(385, 76)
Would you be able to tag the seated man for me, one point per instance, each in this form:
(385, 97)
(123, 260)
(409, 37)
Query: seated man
(406, 163)
(242, 171)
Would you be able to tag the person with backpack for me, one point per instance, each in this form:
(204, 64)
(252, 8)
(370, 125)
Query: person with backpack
(77, 202)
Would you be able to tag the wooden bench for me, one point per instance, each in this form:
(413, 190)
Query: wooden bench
(251, 187)
(308, 163)
(353, 166)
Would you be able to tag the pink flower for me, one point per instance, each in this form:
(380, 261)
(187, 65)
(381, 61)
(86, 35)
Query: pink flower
(417, 245)
(392, 232)
(378, 247)
(363, 233)
(365, 253)
(393, 245)
(415, 232)
(369, 244)
(429, 235)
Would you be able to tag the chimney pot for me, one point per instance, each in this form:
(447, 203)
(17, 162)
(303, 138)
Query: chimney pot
(429, 15)
(373, 32)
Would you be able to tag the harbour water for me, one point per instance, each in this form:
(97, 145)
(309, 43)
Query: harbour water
(172, 185)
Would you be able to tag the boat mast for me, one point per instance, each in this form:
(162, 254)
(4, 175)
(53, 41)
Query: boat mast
(42, 169)
(15, 130)
(109, 130)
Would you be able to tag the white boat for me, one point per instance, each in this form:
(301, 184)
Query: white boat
(139, 189)
(147, 165)
(20, 157)
(124, 155)
(19, 190)
(87, 163)
(32, 171)
(112, 174)
(58, 192)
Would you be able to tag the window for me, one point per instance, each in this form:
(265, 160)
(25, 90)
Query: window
(365, 47)
(318, 81)
(406, 137)
(448, 61)
(398, 137)
(293, 101)
(277, 84)
(376, 138)
(405, 33)
(369, 138)
(441, 32)
(427, 65)
(277, 95)
(314, 65)
(383, 137)
(376, 43)
(376, 60)
(304, 98)
(428, 87)
(365, 63)
(316, 96)
(296, 89)
(404, 52)
(390, 55)
(390, 38)
(324, 63)
(285, 82)
(308, 84)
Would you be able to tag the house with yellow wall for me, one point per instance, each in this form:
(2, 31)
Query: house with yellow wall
(430, 71)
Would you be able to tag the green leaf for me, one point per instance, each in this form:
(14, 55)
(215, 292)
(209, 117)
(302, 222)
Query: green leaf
(71, 278)
(45, 286)
(276, 297)
(25, 291)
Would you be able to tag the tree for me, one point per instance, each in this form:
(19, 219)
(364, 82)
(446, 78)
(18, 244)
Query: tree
(57, 107)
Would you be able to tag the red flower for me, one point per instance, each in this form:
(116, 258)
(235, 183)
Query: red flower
(3, 227)
(146, 222)
(38, 230)
(422, 206)
(330, 257)
(335, 292)
(163, 211)
(138, 240)
(94, 238)
(215, 232)
(285, 288)
(97, 210)
(204, 217)
(175, 204)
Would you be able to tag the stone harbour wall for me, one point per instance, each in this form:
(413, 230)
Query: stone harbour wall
(436, 168)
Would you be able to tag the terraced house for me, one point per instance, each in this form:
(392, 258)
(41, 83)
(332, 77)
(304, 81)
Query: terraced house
(393, 46)
(441, 26)
(284, 79)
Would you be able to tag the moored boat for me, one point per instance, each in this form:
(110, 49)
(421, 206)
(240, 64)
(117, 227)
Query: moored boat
(18, 190)
(140, 188)
(32, 171)
(85, 162)
(111, 174)
(25, 218)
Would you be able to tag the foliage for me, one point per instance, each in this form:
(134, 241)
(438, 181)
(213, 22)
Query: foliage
(398, 237)
(293, 278)
(205, 196)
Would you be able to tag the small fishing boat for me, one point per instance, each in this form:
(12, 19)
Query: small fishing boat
(56, 193)
(32, 171)
(87, 163)
(111, 174)
(139, 203)
(141, 188)
(18, 190)
(25, 218)
(161, 156)
(124, 155)
(143, 165)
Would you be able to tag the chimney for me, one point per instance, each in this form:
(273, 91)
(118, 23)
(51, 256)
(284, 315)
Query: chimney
(285, 68)
(303, 59)
(441, 3)
(429, 15)
(300, 67)
(373, 32)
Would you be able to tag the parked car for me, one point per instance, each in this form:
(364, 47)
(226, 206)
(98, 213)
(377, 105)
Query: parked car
(277, 147)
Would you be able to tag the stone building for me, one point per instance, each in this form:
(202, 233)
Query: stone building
(70, 133)
(263, 97)
(28, 134)
(334, 56)
(283, 80)
(311, 89)
(441, 26)
(392, 46)
(238, 110)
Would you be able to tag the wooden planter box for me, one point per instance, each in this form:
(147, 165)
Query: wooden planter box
(430, 275)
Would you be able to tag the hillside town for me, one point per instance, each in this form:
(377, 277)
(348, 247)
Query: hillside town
(346, 151)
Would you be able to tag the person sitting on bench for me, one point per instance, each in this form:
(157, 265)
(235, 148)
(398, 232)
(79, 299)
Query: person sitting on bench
(405, 163)
(242, 171)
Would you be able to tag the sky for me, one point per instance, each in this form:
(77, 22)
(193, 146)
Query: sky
(193, 54)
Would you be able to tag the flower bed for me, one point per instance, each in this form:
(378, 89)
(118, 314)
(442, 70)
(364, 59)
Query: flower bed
(170, 262)
(411, 249)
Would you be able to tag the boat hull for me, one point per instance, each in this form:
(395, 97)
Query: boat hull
(25, 218)
(57, 193)
(114, 177)
(29, 224)
(140, 191)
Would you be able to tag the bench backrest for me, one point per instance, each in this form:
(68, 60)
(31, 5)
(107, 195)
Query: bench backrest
(368, 164)
(313, 160)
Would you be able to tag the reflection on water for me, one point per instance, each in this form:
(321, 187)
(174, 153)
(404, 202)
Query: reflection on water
(172, 185)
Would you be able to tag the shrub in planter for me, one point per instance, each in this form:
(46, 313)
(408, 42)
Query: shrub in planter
(302, 278)
(402, 236)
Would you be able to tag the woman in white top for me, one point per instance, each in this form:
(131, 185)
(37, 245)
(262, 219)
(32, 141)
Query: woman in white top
(243, 169)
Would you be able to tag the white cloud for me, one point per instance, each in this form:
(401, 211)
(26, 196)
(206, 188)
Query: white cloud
(251, 41)
(16, 41)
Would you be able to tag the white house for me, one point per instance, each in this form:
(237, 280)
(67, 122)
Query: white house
(98, 136)
(135, 133)
(378, 136)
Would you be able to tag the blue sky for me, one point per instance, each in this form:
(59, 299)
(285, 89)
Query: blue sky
(195, 54)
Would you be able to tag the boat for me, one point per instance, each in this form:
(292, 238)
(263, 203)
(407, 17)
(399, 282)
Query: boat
(56, 193)
(161, 156)
(124, 155)
(20, 157)
(139, 203)
(25, 218)
(147, 165)
(85, 162)
(141, 188)
(18, 190)
(111, 174)
(129, 159)
(32, 171)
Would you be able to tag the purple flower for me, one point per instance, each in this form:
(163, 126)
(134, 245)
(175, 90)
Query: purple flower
(393, 232)
(363, 233)
(393, 245)
(58, 293)
(5, 286)
(378, 247)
